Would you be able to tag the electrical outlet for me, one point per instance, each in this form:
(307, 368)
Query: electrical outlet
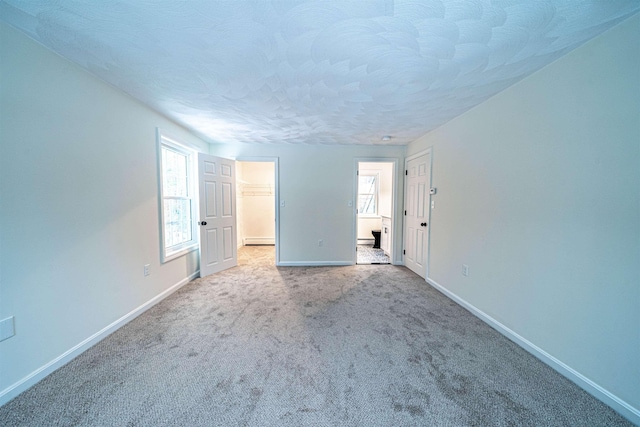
(146, 270)
(465, 270)
(7, 328)
(320, 243)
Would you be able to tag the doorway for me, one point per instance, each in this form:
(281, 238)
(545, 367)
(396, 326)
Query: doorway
(256, 202)
(375, 201)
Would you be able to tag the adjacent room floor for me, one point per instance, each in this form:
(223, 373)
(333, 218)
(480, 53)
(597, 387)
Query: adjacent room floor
(259, 345)
(367, 254)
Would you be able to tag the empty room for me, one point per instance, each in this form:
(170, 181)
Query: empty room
(320, 213)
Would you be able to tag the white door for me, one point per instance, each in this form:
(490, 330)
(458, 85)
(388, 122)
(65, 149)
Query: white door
(217, 180)
(416, 238)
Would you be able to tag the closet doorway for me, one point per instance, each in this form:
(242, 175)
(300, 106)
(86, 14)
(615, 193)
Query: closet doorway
(256, 202)
(375, 211)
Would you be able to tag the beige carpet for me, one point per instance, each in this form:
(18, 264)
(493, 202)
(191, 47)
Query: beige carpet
(320, 346)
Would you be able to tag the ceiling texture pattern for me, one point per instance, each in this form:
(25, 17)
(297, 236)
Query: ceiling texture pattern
(313, 72)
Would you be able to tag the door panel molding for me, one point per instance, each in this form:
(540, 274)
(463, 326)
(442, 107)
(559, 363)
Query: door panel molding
(217, 216)
(417, 219)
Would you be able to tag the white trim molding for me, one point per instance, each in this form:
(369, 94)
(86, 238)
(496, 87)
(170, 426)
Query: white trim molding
(18, 387)
(167, 142)
(366, 241)
(259, 241)
(313, 263)
(623, 408)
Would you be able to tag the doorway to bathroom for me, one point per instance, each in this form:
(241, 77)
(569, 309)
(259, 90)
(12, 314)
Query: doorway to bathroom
(375, 211)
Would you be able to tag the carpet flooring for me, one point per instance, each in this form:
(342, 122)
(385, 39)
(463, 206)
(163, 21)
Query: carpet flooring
(258, 345)
(367, 254)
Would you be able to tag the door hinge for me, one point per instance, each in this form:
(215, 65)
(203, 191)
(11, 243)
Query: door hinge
(357, 172)
(406, 172)
(405, 213)
(404, 252)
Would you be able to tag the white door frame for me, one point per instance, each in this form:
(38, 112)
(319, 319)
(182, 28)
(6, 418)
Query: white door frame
(404, 224)
(394, 204)
(275, 161)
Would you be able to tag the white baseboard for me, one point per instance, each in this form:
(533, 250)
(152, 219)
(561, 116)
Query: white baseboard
(366, 241)
(600, 393)
(259, 241)
(15, 389)
(313, 263)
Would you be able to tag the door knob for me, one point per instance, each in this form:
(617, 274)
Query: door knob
(423, 224)
(203, 223)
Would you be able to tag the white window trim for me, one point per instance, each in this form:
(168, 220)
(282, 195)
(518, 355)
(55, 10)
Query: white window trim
(168, 141)
(376, 195)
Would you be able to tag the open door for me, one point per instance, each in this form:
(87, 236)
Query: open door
(217, 183)
(416, 237)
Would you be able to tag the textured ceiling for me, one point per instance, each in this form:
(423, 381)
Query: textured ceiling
(328, 72)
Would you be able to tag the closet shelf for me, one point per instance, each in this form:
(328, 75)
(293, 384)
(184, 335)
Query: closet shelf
(257, 189)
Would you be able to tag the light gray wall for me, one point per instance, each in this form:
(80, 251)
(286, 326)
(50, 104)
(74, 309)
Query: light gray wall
(78, 205)
(316, 184)
(539, 193)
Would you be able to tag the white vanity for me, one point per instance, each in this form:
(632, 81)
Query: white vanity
(385, 235)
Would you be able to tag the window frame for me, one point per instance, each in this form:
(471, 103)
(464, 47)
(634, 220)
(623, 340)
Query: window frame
(376, 192)
(170, 253)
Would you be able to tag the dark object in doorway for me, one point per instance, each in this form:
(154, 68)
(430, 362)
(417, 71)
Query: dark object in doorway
(376, 237)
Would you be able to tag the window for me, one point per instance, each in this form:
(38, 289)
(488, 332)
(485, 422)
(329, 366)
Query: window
(368, 194)
(177, 201)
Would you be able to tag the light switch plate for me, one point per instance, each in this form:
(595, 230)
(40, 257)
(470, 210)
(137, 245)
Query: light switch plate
(7, 329)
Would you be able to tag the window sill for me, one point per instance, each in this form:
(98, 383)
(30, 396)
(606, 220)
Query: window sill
(178, 253)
